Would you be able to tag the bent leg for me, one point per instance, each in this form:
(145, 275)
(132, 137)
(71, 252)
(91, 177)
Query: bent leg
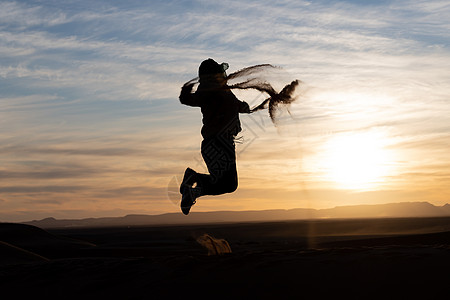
(220, 158)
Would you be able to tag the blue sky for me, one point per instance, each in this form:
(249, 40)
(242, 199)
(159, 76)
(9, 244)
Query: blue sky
(90, 123)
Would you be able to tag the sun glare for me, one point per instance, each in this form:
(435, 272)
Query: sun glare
(356, 161)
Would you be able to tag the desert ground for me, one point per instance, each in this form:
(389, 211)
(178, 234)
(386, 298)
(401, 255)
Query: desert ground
(404, 258)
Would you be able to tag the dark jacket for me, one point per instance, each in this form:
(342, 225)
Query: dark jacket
(220, 109)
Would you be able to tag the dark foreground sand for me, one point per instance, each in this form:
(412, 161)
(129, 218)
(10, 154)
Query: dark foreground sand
(349, 259)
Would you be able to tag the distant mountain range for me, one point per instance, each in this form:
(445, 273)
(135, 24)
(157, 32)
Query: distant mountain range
(390, 210)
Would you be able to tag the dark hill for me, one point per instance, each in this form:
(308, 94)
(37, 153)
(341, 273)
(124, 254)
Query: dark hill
(390, 210)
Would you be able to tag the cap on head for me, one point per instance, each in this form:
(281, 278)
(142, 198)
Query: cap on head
(211, 67)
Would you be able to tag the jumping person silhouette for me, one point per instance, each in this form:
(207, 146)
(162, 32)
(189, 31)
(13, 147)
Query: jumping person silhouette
(221, 124)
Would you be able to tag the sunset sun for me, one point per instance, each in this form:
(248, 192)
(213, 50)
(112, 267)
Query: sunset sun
(356, 161)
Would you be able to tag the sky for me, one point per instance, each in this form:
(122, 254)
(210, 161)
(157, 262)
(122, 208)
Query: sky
(91, 124)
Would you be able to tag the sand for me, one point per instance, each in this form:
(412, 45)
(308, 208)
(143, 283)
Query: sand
(355, 259)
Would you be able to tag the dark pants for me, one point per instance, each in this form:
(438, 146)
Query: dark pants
(219, 155)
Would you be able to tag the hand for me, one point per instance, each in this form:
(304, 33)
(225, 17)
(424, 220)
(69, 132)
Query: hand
(246, 108)
(187, 87)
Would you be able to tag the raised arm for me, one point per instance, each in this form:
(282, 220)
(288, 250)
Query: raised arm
(187, 97)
